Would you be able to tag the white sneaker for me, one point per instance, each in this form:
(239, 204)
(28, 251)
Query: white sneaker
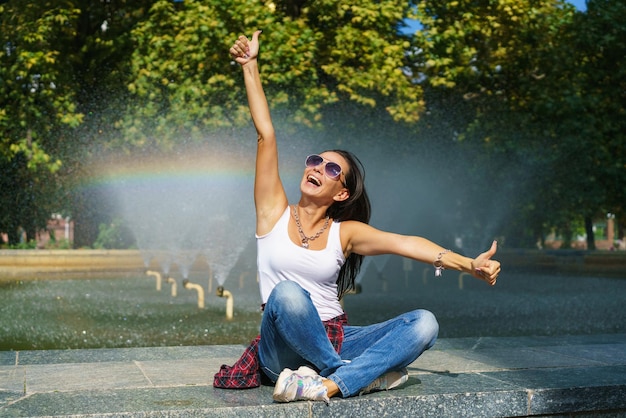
(387, 381)
(303, 384)
(306, 371)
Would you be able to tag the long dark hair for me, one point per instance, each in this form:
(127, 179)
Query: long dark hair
(356, 208)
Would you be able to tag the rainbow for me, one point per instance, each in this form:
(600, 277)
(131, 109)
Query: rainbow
(170, 169)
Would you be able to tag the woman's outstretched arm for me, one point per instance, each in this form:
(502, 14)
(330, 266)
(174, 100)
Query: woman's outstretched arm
(364, 239)
(269, 194)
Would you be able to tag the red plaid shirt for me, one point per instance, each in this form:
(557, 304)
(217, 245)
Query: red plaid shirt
(246, 372)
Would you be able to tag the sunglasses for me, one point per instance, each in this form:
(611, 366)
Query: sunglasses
(331, 169)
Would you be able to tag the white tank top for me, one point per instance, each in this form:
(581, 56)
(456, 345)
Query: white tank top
(279, 258)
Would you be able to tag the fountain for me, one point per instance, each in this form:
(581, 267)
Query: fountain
(380, 261)
(173, 286)
(209, 215)
(208, 218)
(157, 276)
(199, 289)
(192, 214)
(193, 204)
(223, 293)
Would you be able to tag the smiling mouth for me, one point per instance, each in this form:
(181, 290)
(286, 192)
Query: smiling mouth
(313, 180)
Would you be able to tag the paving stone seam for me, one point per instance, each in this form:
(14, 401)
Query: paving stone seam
(577, 357)
(21, 398)
(141, 369)
(113, 388)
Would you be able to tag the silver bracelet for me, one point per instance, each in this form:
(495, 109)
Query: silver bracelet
(439, 264)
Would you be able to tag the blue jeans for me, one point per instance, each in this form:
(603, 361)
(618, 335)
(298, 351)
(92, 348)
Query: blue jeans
(293, 335)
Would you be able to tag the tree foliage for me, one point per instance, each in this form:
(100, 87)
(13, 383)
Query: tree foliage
(529, 89)
(313, 55)
(601, 56)
(60, 63)
(35, 92)
(522, 71)
(36, 98)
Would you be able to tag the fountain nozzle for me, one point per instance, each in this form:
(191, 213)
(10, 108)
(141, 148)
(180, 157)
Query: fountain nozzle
(172, 282)
(223, 293)
(157, 276)
(188, 285)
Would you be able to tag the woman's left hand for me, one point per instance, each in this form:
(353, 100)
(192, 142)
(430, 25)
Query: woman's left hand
(484, 268)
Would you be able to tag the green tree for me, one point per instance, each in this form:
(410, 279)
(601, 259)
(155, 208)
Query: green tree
(182, 82)
(81, 77)
(62, 82)
(541, 88)
(100, 60)
(582, 107)
(601, 47)
(496, 83)
(36, 98)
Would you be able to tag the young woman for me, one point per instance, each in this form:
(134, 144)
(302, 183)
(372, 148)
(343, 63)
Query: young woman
(309, 254)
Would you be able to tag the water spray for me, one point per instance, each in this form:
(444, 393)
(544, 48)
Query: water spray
(384, 280)
(223, 293)
(188, 285)
(380, 261)
(425, 273)
(147, 257)
(157, 276)
(407, 266)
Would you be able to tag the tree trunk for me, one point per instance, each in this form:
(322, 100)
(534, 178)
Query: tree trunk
(591, 242)
(566, 234)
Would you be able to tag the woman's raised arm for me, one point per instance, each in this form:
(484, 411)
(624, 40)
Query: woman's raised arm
(269, 194)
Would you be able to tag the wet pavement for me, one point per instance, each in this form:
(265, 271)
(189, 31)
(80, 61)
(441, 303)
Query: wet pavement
(483, 377)
(537, 344)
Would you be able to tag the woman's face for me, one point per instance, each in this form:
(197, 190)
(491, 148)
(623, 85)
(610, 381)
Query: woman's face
(319, 175)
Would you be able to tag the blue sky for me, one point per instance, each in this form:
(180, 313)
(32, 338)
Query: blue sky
(580, 4)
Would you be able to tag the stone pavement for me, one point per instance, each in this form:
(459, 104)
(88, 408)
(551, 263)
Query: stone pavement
(459, 377)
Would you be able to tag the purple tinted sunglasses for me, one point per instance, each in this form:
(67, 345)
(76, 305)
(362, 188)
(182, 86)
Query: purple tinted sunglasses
(331, 169)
